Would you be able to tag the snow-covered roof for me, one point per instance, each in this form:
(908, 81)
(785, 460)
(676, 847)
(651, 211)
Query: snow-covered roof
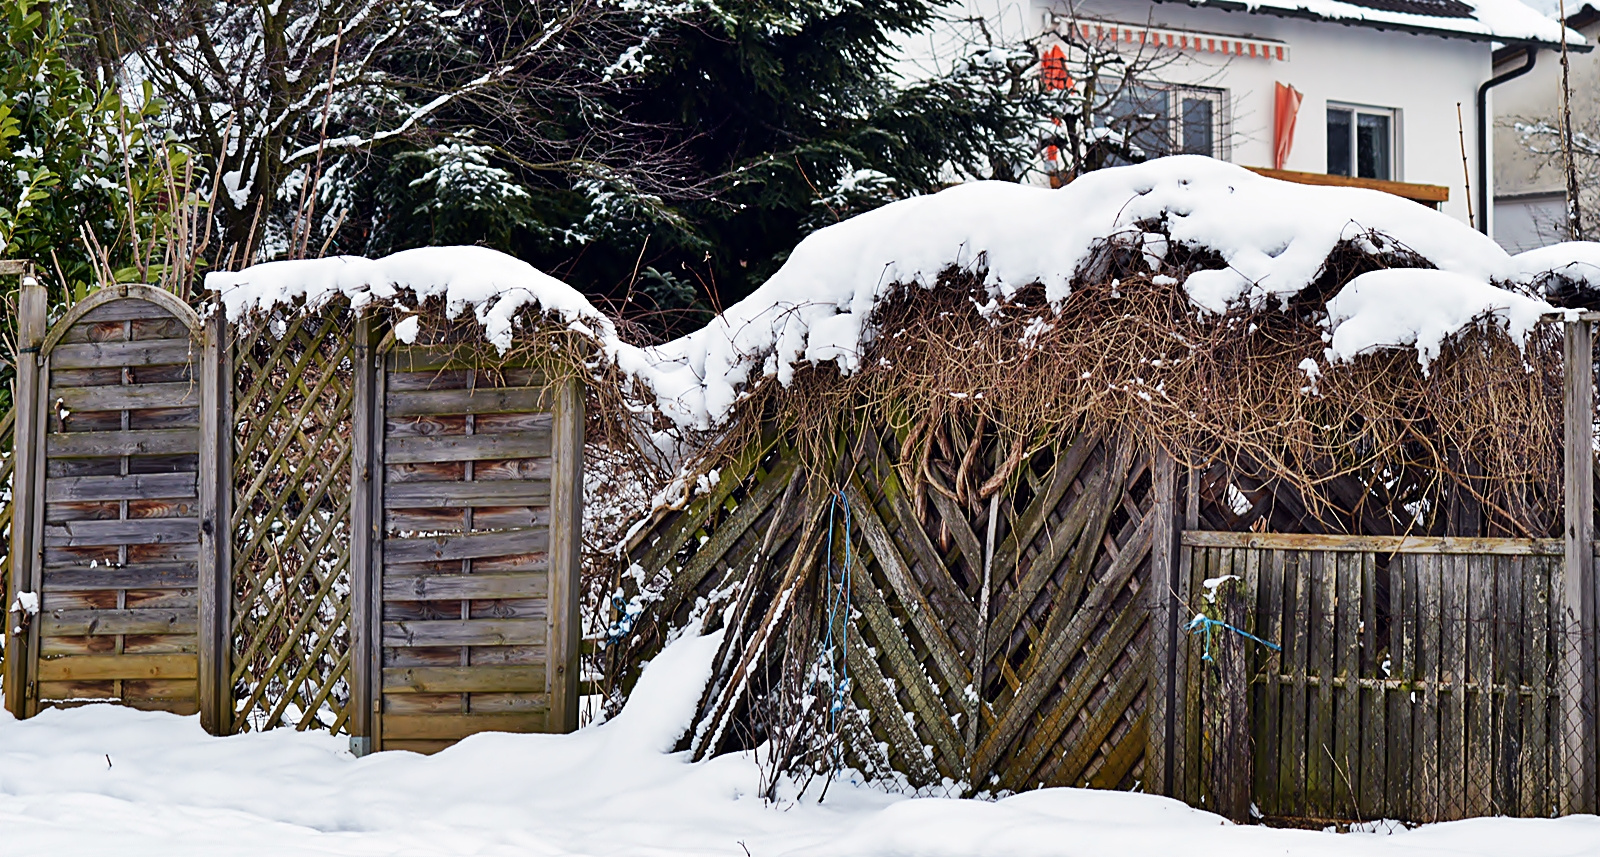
(1485, 20)
(820, 306)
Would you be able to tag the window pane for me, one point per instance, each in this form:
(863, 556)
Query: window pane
(1142, 116)
(1199, 127)
(1339, 142)
(1372, 146)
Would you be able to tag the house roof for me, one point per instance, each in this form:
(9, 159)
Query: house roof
(1507, 21)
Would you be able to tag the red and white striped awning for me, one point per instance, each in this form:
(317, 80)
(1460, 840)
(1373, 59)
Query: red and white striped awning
(1179, 40)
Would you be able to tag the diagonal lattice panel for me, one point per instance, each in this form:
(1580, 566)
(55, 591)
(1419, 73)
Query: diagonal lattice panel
(291, 561)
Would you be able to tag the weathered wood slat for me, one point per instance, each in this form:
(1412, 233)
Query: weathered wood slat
(1347, 700)
(99, 667)
(139, 486)
(1479, 674)
(1374, 706)
(125, 310)
(179, 575)
(456, 495)
(466, 632)
(153, 531)
(466, 546)
(492, 400)
(1374, 544)
(436, 587)
(90, 444)
(473, 679)
(458, 726)
(148, 352)
(126, 397)
(1452, 684)
(1425, 785)
(1270, 619)
(887, 715)
(459, 356)
(98, 622)
(473, 447)
(1293, 768)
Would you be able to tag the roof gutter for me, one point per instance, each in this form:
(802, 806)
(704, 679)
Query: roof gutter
(1531, 55)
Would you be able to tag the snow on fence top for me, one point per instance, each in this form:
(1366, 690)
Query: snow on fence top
(1274, 237)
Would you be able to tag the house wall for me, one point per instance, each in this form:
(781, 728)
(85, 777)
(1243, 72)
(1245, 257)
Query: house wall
(1422, 77)
(1530, 201)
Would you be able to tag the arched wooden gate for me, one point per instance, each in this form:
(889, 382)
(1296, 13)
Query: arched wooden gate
(112, 535)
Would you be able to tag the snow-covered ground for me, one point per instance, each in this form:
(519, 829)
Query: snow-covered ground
(103, 780)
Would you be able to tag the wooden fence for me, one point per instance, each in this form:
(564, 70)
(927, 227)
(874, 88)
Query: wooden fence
(1416, 678)
(289, 523)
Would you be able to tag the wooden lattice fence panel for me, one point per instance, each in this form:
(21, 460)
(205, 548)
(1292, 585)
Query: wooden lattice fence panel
(1059, 633)
(290, 617)
(476, 465)
(110, 538)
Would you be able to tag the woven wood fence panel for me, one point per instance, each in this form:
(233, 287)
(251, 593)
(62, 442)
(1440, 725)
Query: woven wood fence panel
(117, 567)
(1062, 694)
(290, 520)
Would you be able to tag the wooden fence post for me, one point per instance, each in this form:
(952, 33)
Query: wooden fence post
(366, 601)
(1578, 655)
(566, 533)
(32, 306)
(215, 505)
(1164, 611)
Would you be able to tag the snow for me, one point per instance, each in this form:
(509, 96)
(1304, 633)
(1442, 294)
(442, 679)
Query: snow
(1507, 20)
(1420, 308)
(1274, 237)
(1578, 261)
(104, 779)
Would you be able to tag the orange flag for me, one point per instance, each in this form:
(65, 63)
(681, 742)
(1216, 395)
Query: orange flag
(1287, 106)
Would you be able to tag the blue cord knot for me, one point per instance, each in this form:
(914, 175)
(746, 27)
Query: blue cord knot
(1201, 623)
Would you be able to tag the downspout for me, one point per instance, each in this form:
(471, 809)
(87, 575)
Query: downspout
(1483, 132)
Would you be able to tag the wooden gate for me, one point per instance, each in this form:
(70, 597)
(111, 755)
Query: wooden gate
(113, 536)
(470, 561)
(1417, 678)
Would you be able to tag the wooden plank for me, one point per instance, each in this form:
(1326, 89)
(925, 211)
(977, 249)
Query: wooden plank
(490, 400)
(1164, 612)
(138, 486)
(125, 310)
(1347, 667)
(1401, 754)
(148, 352)
(442, 587)
(179, 441)
(97, 622)
(1270, 617)
(466, 632)
(1374, 705)
(456, 356)
(21, 639)
(1576, 670)
(214, 562)
(1424, 193)
(153, 531)
(1534, 764)
(473, 679)
(178, 575)
(473, 447)
(1374, 544)
(1293, 767)
(1507, 738)
(400, 727)
(457, 495)
(1477, 738)
(1320, 745)
(98, 667)
(1452, 686)
(125, 397)
(466, 546)
(1425, 785)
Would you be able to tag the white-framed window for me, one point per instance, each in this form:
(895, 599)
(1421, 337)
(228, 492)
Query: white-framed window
(1161, 119)
(1363, 141)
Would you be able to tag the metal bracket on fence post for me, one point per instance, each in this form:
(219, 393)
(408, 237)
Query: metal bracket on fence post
(1578, 744)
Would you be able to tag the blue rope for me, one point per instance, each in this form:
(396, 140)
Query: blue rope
(838, 614)
(1201, 623)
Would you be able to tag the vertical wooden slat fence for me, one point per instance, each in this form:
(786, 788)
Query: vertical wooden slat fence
(1416, 679)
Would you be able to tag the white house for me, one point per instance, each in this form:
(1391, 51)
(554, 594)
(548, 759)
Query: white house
(1530, 190)
(1389, 91)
